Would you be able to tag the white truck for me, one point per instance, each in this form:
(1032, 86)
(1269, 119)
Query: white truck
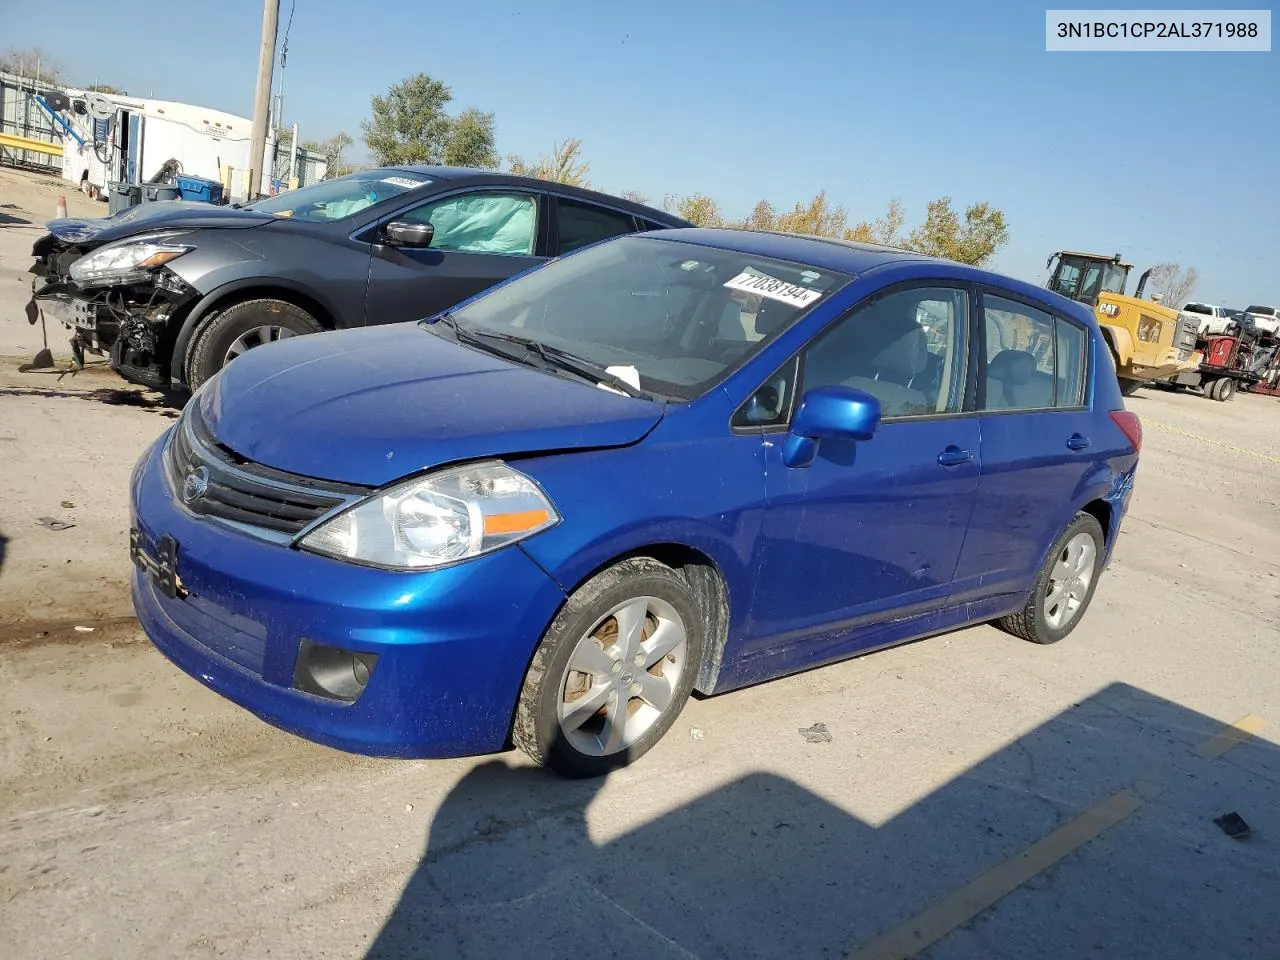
(1266, 319)
(1211, 318)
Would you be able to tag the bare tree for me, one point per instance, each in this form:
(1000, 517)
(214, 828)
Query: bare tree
(1171, 283)
(29, 62)
(635, 196)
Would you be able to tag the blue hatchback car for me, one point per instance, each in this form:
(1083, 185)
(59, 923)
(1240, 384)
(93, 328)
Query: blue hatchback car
(670, 462)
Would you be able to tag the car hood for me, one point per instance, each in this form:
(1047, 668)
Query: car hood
(151, 217)
(371, 406)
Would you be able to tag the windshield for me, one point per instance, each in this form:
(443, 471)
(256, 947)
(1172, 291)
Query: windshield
(668, 317)
(340, 198)
(1197, 308)
(1113, 278)
(1262, 311)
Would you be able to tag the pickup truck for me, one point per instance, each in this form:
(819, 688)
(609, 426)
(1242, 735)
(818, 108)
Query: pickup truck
(1211, 318)
(1266, 319)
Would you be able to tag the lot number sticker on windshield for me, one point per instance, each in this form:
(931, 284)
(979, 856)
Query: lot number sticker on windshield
(403, 182)
(774, 289)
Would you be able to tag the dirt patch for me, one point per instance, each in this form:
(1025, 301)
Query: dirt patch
(116, 397)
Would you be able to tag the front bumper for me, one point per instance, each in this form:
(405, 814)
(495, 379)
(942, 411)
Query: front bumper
(452, 644)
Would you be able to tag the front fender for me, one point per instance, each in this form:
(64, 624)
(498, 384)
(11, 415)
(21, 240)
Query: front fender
(232, 289)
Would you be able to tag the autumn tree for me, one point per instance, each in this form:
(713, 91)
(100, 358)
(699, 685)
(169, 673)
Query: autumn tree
(697, 208)
(1171, 283)
(564, 165)
(635, 196)
(943, 234)
(410, 125)
(763, 217)
(886, 230)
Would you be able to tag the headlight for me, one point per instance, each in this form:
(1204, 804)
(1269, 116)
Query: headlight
(436, 519)
(122, 261)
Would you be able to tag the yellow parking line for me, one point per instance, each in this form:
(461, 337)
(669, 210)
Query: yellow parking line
(1169, 428)
(958, 908)
(1228, 737)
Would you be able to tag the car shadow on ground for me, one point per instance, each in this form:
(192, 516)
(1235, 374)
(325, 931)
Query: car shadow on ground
(4, 542)
(9, 220)
(1093, 834)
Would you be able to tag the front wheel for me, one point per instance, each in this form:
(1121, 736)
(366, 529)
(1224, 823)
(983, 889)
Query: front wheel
(1129, 387)
(239, 328)
(1064, 586)
(612, 672)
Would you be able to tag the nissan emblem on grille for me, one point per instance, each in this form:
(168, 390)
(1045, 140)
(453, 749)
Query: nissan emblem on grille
(195, 485)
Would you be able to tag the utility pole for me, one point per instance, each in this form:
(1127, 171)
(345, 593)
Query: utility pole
(262, 96)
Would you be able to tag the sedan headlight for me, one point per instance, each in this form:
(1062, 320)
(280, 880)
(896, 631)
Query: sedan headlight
(440, 518)
(124, 261)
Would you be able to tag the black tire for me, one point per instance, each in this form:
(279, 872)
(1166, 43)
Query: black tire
(536, 729)
(1227, 390)
(1207, 387)
(218, 332)
(1030, 622)
(1129, 387)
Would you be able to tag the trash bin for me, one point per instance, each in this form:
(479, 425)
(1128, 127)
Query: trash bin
(122, 196)
(160, 191)
(198, 188)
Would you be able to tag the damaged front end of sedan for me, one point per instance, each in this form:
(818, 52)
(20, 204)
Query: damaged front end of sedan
(116, 299)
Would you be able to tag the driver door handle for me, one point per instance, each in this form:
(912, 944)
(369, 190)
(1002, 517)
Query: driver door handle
(1077, 442)
(953, 456)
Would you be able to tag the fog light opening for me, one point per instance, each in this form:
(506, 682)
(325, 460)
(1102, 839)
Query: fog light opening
(332, 672)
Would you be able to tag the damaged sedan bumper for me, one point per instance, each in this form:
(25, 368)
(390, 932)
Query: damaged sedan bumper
(128, 323)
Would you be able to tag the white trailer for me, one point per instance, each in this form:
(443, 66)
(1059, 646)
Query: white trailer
(128, 140)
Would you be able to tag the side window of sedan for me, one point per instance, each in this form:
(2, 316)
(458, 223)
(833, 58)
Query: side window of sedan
(583, 223)
(906, 348)
(499, 223)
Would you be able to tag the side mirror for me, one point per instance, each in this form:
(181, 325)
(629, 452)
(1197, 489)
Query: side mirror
(829, 413)
(409, 233)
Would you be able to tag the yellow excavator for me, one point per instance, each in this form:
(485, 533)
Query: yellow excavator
(1148, 340)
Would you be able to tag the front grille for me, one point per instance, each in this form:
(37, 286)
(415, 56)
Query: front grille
(215, 482)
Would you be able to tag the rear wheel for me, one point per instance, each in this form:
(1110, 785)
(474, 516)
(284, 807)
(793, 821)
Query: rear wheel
(1227, 390)
(1210, 387)
(612, 672)
(1064, 586)
(238, 329)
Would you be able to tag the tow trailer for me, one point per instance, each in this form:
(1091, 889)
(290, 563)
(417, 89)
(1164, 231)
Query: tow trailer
(1244, 358)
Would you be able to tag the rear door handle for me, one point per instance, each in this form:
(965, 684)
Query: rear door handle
(953, 456)
(1077, 442)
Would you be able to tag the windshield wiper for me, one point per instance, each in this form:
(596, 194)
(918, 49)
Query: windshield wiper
(550, 356)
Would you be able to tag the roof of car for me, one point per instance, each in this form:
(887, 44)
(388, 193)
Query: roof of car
(855, 258)
(476, 174)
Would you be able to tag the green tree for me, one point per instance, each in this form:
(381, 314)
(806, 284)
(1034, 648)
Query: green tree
(697, 208)
(975, 240)
(564, 165)
(410, 125)
(108, 88)
(332, 148)
(471, 141)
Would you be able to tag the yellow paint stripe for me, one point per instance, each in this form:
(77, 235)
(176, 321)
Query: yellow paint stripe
(1169, 428)
(1231, 736)
(958, 908)
(970, 900)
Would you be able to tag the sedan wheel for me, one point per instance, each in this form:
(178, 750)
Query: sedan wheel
(1069, 580)
(255, 338)
(622, 676)
(1064, 586)
(613, 670)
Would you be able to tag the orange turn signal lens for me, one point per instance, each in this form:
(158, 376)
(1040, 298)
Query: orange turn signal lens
(498, 523)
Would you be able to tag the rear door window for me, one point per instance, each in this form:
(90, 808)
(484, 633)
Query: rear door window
(584, 223)
(1034, 360)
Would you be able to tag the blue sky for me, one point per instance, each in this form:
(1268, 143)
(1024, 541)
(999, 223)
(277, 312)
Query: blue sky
(1156, 156)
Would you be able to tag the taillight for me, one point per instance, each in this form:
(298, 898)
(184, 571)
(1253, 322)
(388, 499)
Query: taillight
(1131, 425)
